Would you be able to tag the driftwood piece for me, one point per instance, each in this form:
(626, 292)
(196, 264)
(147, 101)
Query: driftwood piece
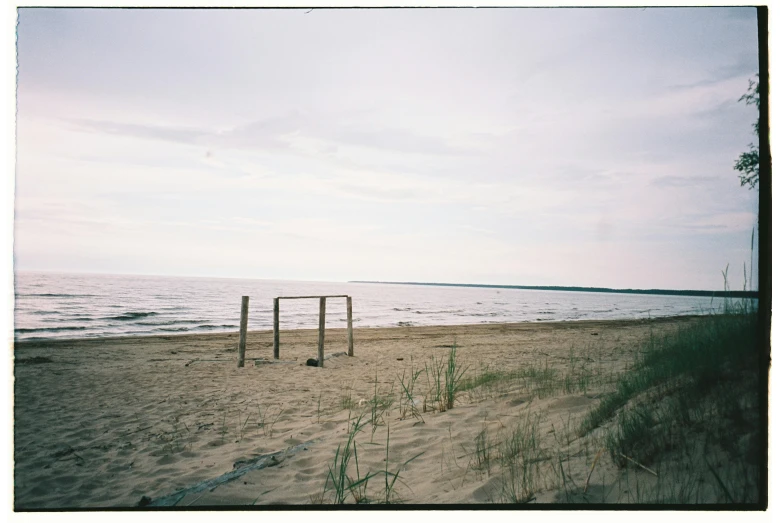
(639, 465)
(240, 468)
(262, 361)
(592, 467)
(199, 360)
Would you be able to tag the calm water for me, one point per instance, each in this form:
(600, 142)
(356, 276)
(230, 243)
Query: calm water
(50, 305)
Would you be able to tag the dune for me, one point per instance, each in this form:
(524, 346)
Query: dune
(123, 422)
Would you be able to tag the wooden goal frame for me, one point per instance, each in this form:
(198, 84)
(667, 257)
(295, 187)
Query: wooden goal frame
(321, 337)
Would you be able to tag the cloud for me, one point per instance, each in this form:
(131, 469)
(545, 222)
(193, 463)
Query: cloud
(280, 133)
(71, 218)
(478, 230)
(682, 181)
(741, 69)
(377, 193)
(398, 140)
(151, 132)
(715, 222)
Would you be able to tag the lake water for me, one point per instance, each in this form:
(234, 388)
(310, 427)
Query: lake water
(51, 305)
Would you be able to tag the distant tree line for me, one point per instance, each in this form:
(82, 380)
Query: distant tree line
(665, 292)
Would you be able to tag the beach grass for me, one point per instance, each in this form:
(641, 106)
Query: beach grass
(341, 483)
(687, 406)
(692, 360)
(539, 380)
(692, 394)
(408, 401)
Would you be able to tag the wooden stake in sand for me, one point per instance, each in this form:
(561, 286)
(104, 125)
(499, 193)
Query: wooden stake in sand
(276, 328)
(349, 326)
(321, 339)
(242, 331)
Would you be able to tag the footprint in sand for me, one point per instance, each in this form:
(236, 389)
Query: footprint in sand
(167, 460)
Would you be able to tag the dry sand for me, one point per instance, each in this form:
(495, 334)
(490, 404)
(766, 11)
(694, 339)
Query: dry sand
(110, 421)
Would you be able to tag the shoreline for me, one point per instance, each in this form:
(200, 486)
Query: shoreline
(29, 343)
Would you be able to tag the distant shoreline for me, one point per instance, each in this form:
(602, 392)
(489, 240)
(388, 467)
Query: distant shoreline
(659, 292)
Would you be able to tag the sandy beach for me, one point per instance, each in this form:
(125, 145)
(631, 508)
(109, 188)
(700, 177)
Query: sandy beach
(112, 422)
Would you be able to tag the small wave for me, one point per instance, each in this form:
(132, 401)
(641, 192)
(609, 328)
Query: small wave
(54, 295)
(171, 329)
(76, 317)
(49, 329)
(131, 316)
(165, 322)
(402, 309)
(212, 327)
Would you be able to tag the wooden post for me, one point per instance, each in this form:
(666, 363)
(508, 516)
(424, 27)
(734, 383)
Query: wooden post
(242, 332)
(349, 326)
(321, 341)
(276, 328)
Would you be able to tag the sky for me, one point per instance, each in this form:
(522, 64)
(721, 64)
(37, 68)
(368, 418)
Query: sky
(588, 147)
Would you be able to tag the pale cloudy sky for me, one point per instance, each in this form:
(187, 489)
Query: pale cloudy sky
(586, 147)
